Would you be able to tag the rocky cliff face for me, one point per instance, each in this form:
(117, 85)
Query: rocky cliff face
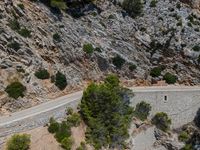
(166, 34)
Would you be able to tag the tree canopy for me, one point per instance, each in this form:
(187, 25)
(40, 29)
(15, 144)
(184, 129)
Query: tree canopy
(106, 111)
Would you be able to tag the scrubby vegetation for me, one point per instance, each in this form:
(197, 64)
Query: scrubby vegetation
(88, 48)
(14, 45)
(170, 78)
(62, 131)
(156, 71)
(162, 121)
(42, 74)
(19, 142)
(60, 81)
(183, 136)
(133, 7)
(106, 111)
(118, 61)
(15, 90)
(142, 110)
(132, 67)
(56, 37)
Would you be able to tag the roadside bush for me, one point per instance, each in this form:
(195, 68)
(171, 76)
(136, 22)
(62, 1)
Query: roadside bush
(69, 111)
(74, 120)
(19, 142)
(15, 90)
(156, 72)
(161, 121)
(118, 61)
(42, 74)
(183, 136)
(169, 78)
(88, 48)
(133, 7)
(63, 132)
(67, 143)
(60, 81)
(112, 80)
(142, 110)
(54, 126)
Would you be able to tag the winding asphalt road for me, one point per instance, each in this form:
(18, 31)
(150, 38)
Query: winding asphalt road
(44, 107)
(53, 104)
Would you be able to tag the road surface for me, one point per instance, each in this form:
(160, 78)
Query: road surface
(54, 105)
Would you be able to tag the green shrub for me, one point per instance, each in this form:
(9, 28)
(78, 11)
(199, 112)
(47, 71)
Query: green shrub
(54, 126)
(162, 121)
(56, 37)
(112, 80)
(132, 67)
(118, 61)
(20, 5)
(60, 4)
(196, 48)
(133, 7)
(67, 143)
(42, 74)
(19, 142)
(14, 24)
(142, 110)
(14, 45)
(60, 81)
(74, 120)
(63, 132)
(15, 90)
(25, 32)
(169, 78)
(183, 136)
(69, 111)
(187, 147)
(156, 71)
(107, 114)
(88, 48)
(82, 146)
(153, 3)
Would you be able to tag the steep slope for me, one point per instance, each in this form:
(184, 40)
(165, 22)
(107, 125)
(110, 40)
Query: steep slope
(166, 34)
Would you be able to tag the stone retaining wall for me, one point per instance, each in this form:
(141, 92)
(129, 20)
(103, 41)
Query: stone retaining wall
(181, 106)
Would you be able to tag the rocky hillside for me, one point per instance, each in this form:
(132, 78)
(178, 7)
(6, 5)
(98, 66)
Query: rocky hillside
(32, 36)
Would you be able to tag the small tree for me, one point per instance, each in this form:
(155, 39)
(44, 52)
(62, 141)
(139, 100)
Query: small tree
(156, 72)
(118, 61)
(54, 126)
(19, 142)
(15, 90)
(133, 7)
(183, 136)
(60, 4)
(42, 74)
(161, 121)
(88, 48)
(169, 78)
(67, 143)
(142, 110)
(74, 119)
(60, 81)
